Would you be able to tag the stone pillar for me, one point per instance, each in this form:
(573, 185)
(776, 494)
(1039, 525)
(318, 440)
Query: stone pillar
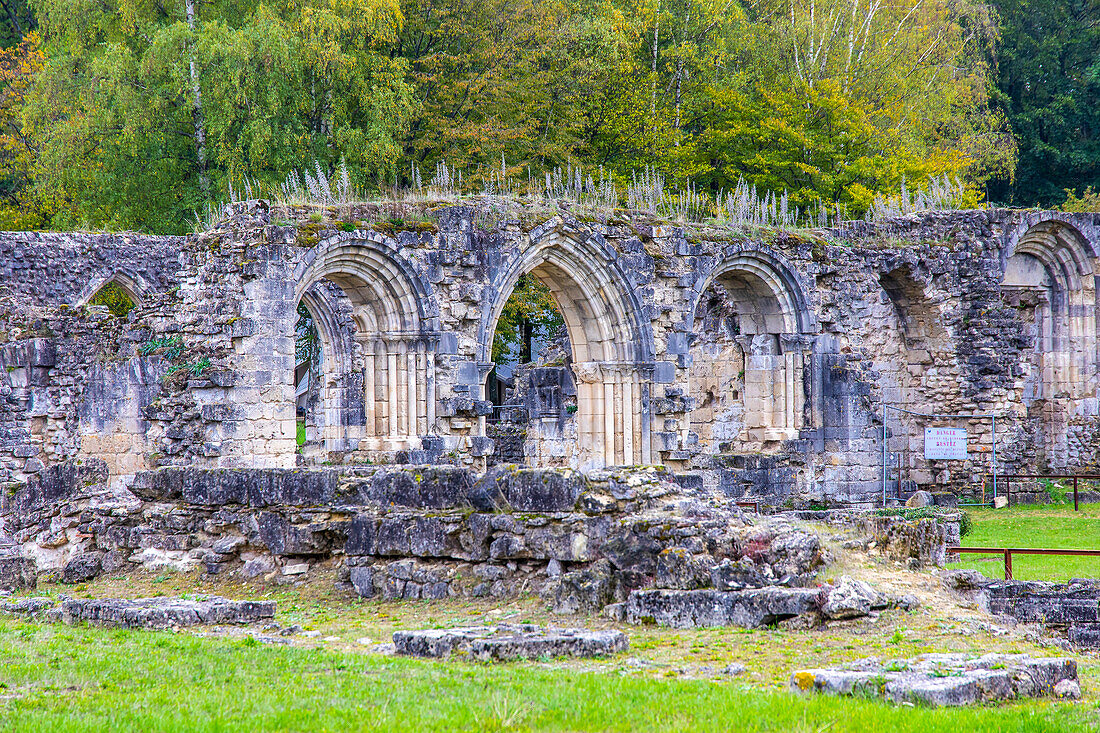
(630, 415)
(608, 409)
(590, 426)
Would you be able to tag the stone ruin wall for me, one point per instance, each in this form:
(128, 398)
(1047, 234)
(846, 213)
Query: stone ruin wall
(751, 364)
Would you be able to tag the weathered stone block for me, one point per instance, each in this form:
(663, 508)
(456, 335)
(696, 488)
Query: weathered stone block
(529, 490)
(162, 613)
(504, 643)
(17, 573)
(82, 568)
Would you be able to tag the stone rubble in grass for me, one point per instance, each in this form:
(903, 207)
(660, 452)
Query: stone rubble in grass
(849, 599)
(946, 679)
(161, 613)
(507, 642)
(27, 606)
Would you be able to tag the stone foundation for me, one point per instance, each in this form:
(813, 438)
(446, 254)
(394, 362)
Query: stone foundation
(509, 642)
(1072, 608)
(161, 613)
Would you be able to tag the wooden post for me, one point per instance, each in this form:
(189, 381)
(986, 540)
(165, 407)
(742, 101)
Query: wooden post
(1008, 564)
(1075, 508)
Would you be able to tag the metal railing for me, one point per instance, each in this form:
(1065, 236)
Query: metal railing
(1008, 552)
(754, 505)
(1008, 478)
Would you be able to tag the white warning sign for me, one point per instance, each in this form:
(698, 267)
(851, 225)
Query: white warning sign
(945, 444)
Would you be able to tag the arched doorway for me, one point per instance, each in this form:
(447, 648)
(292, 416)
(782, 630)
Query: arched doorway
(373, 318)
(610, 354)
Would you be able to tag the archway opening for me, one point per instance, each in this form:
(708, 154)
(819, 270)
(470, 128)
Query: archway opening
(914, 359)
(531, 383)
(377, 366)
(602, 358)
(1049, 280)
(307, 372)
(529, 331)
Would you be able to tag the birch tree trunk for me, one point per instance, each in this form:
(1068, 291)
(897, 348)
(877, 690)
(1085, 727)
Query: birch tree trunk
(197, 118)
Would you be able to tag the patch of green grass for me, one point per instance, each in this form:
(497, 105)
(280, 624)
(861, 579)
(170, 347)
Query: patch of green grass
(301, 432)
(62, 678)
(1054, 526)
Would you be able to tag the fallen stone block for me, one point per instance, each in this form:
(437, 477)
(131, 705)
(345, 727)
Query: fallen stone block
(920, 499)
(945, 679)
(849, 599)
(162, 613)
(82, 568)
(749, 608)
(508, 642)
(584, 590)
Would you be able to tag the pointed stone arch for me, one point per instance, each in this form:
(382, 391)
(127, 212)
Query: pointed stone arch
(1049, 277)
(133, 285)
(382, 393)
(611, 341)
(746, 379)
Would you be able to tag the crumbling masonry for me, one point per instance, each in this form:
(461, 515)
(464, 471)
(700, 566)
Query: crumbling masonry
(755, 364)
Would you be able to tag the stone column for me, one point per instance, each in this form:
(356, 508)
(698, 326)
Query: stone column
(430, 390)
(371, 428)
(630, 415)
(411, 379)
(608, 419)
(391, 422)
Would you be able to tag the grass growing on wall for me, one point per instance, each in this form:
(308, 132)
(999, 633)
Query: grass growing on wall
(54, 677)
(1053, 526)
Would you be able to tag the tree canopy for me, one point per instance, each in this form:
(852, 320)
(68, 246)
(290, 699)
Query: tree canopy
(125, 113)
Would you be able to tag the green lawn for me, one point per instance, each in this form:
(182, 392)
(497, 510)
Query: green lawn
(301, 432)
(1054, 526)
(76, 678)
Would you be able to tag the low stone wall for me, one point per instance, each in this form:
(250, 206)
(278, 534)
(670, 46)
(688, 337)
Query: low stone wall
(632, 540)
(1072, 608)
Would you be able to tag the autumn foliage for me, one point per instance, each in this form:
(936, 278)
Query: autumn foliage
(137, 114)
